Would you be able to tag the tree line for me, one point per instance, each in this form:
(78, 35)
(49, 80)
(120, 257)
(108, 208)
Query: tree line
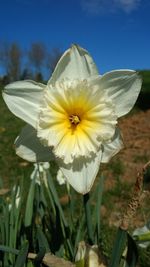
(31, 64)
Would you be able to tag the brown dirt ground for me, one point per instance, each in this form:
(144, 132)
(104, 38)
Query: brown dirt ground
(136, 135)
(135, 129)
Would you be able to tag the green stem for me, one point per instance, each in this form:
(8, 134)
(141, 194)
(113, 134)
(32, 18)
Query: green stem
(86, 201)
(9, 250)
(70, 206)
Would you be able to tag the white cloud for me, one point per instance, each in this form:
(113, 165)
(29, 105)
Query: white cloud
(127, 5)
(96, 7)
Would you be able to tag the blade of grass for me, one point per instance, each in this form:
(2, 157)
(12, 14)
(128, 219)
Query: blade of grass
(22, 256)
(119, 245)
(13, 224)
(30, 202)
(132, 253)
(9, 250)
(70, 193)
(96, 214)
(56, 198)
(63, 222)
(86, 202)
(80, 232)
(42, 240)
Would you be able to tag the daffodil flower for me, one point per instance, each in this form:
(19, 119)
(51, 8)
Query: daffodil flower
(74, 117)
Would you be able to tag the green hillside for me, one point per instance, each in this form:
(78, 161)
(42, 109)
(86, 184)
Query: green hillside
(146, 80)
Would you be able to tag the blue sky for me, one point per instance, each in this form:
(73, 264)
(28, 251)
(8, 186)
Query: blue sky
(115, 32)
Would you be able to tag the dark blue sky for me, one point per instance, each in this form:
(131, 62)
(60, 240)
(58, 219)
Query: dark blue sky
(115, 32)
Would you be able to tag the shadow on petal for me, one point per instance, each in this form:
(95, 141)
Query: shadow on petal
(111, 148)
(82, 172)
(29, 147)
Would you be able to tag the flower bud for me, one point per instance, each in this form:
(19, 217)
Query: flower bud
(88, 256)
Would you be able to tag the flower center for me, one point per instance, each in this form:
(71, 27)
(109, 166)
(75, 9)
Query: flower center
(74, 119)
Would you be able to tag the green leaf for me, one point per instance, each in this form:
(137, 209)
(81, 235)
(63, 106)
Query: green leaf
(71, 194)
(30, 264)
(40, 256)
(51, 201)
(63, 222)
(22, 256)
(14, 222)
(87, 209)
(132, 253)
(96, 214)
(30, 203)
(119, 245)
(9, 250)
(56, 198)
(80, 263)
(42, 240)
(80, 231)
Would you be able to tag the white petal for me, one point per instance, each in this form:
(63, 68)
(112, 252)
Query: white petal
(29, 147)
(76, 63)
(123, 87)
(61, 179)
(23, 99)
(112, 148)
(82, 172)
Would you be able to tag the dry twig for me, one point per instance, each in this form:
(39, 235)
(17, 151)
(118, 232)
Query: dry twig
(135, 199)
(51, 260)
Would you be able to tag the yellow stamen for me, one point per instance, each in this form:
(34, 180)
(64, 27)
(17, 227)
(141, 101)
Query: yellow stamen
(74, 119)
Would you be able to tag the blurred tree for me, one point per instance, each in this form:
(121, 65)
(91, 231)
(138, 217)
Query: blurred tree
(26, 74)
(5, 80)
(37, 55)
(14, 67)
(10, 57)
(53, 58)
(38, 58)
(39, 77)
(4, 55)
